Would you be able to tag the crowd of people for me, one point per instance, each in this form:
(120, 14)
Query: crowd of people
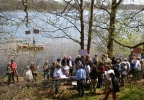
(98, 72)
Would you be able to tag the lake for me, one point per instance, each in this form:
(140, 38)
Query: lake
(13, 32)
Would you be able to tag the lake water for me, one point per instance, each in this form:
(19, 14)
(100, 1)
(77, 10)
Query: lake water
(13, 33)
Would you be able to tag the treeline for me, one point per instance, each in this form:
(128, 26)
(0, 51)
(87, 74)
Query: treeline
(131, 7)
(50, 5)
(10, 5)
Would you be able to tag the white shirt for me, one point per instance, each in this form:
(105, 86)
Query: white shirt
(28, 75)
(70, 63)
(57, 73)
(87, 69)
(65, 69)
(137, 63)
(139, 67)
(107, 75)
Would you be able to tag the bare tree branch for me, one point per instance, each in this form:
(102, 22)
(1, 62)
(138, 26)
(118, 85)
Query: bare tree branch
(66, 6)
(25, 4)
(139, 44)
(71, 5)
(118, 3)
(103, 8)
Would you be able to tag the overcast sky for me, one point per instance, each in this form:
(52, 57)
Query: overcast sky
(134, 2)
(126, 1)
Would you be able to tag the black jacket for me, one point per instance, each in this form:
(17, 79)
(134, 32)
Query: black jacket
(115, 84)
(64, 61)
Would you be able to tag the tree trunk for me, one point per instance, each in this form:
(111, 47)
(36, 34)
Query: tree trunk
(90, 27)
(142, 45)
(110, 45)
(82, 25)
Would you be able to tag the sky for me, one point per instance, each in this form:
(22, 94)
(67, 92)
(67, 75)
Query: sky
(126, 1)
(133, 2)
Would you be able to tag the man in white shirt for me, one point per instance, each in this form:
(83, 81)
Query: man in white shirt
(123, 73)
(128, 67)
(138, 69)
(58, 72)
(87, 69)
(114, 86)
(28, 75)
(107, 80)
(71, 65)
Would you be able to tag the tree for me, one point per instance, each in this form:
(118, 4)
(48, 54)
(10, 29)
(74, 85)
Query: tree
(90, 26)
(119, 24)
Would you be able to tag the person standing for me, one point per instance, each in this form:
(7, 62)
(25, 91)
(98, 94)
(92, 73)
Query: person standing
(46, 70)
(123, 73)
(114, 87)
(139, 69)
(32, 67)
(65, 60)
(94, 79)
(9, 72)
(52, 69)
(79, 63)
(107, 80)
(128, 68)
(95, 60)
(134, 64)
(101, 71)
(80, 77)
(28, 77)
(65, 69)
(34, 42)
(87, 69)
(34, 70)
(77, 60)
(71, 65)
(14, 70)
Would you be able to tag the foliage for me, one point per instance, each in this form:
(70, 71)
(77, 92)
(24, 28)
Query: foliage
(31, 91)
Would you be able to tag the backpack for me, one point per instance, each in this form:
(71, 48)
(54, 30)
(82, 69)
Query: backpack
(128, 67)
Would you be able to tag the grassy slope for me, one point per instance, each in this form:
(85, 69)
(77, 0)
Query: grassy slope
(36, 91)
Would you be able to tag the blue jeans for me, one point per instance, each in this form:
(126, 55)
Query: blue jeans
(80, 84)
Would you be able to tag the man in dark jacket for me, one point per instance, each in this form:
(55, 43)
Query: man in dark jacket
(65, 60)
(114, 87)
(71, 65)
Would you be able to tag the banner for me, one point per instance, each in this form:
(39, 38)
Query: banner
(83, 52)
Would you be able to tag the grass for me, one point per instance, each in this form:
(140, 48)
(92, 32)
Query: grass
(37, 91)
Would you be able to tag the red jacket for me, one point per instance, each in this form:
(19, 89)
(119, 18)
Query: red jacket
(102, 69)
(13, 65)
